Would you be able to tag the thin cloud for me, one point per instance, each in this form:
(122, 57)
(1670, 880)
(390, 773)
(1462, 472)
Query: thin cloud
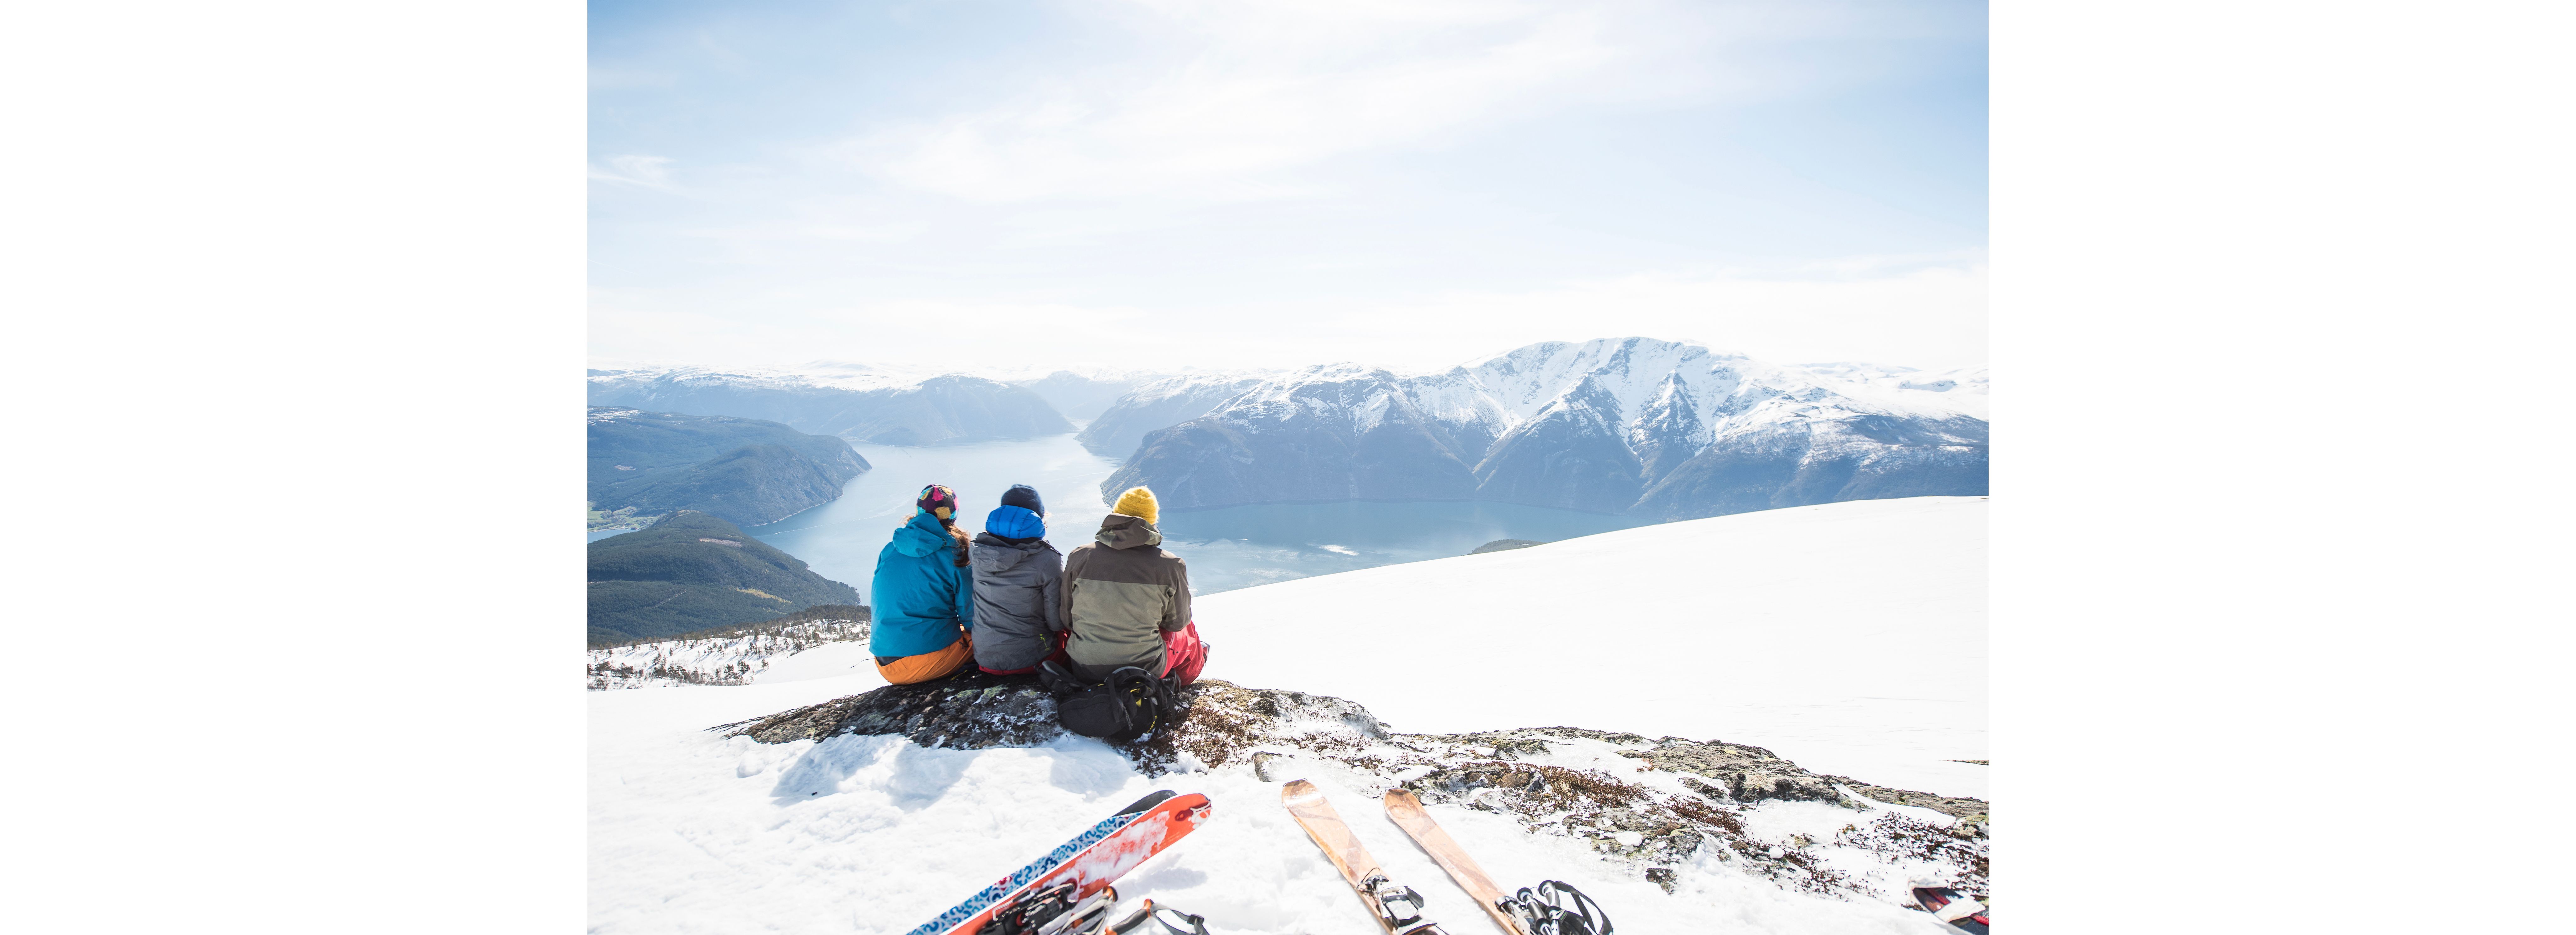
(653, 172)
(1258, 89)
(1931, 317)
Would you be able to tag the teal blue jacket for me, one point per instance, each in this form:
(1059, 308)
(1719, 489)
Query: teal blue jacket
(923, 600)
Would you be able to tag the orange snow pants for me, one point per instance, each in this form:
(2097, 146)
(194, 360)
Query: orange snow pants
(937, 663)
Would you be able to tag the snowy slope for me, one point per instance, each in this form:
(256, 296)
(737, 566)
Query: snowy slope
(1849, 637)
(825, 645)
(693, 832)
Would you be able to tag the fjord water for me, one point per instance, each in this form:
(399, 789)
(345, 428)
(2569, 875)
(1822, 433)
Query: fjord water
(1229, 548)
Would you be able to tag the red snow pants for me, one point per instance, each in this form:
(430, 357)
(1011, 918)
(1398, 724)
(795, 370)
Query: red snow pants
(1184, 654)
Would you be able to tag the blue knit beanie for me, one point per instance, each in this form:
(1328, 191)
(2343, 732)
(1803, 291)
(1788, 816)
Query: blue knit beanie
(1024, 495)
(1014, 522)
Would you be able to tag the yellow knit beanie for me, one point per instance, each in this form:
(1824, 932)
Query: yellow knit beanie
(1137, 502)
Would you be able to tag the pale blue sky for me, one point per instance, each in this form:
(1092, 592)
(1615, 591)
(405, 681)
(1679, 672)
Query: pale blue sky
(1156, 183)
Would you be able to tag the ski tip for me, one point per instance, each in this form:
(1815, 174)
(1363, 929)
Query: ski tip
(1298, 790)
(1147, 802)
(1402, 798)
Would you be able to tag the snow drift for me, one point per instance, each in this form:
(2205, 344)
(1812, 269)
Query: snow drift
(1849, 637)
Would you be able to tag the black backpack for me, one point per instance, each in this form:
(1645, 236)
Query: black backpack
(1129, 705)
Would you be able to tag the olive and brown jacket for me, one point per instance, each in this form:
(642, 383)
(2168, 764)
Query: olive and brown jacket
(1121, 594)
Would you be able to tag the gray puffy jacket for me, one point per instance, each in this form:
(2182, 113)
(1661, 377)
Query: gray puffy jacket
(1017, 589)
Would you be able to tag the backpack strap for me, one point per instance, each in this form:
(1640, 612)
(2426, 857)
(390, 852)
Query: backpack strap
(1058, 680)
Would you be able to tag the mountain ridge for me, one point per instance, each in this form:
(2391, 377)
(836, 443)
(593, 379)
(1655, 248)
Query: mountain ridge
(1614, 425)
(888, 406)
(693, 571)
(750, 471)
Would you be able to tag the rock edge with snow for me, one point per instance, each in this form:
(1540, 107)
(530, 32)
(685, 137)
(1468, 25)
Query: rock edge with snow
(1677, 799)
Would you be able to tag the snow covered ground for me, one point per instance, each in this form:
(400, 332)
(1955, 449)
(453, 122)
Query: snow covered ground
(821, 645)
(1849, 637)
(692, 832)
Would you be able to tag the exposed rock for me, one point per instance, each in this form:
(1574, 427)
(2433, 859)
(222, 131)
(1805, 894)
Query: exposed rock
(970, 711)
(1686, 796)
(1504, 545)
(1749, 773)
(1661, 876)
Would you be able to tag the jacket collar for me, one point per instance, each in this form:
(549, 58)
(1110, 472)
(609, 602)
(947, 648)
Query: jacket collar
(1121, 531)
(921, 536)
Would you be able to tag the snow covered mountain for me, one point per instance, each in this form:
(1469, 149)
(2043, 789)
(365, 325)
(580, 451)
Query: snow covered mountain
(1084, 392)
(861, 402)
(1161, 404)
(1848, 638)
(1631, 425)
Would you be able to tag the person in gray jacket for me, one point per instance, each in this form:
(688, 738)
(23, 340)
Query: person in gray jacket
(1018, 582)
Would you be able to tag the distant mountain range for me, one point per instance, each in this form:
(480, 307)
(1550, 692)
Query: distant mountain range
(645, 465)
(857, 402)
(1635, 426)
(693, 571)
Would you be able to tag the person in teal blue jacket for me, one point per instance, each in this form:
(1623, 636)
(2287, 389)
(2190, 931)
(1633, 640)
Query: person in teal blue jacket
(923, 627)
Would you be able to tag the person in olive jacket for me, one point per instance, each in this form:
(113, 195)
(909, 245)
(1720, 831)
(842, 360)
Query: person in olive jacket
(1019, 585)
(1127, 602)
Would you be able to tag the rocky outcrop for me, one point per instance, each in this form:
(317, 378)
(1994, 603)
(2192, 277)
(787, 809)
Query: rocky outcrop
(1651, 804)
(971, 711)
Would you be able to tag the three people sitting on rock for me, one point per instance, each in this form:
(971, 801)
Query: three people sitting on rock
(1007, 601)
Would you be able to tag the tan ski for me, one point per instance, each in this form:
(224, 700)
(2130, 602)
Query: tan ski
(1406, 811)
(1398, 908)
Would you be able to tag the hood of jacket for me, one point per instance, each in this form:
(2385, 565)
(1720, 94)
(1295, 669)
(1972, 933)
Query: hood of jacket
(993, 556)
(1121, 531)
(921, 536)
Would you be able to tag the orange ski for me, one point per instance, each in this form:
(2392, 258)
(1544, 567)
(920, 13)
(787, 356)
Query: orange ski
(1398, 908)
